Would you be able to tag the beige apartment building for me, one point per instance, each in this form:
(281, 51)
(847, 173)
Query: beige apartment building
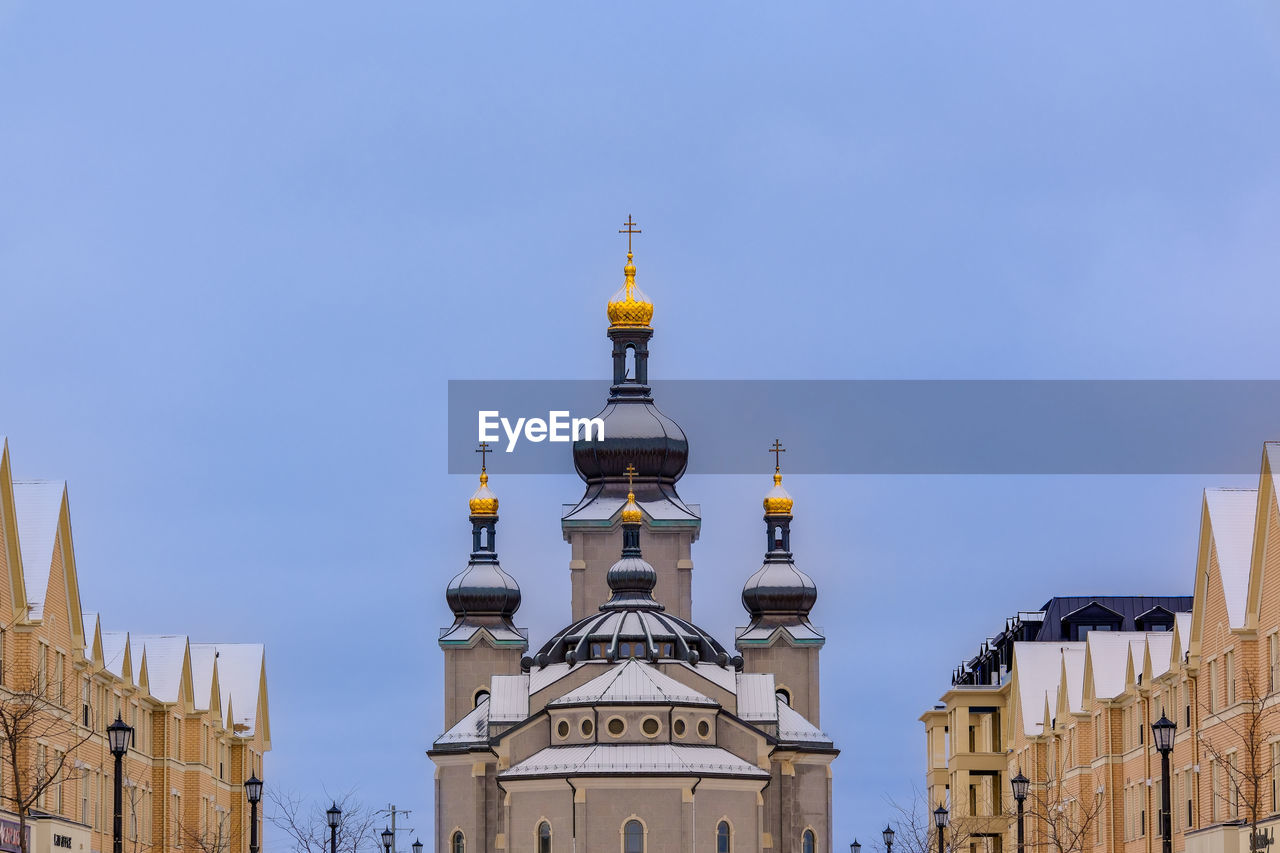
(1067, 695)
(632, 730)
(198, 710)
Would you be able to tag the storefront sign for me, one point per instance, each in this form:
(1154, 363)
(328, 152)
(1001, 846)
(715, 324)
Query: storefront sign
(9, 836)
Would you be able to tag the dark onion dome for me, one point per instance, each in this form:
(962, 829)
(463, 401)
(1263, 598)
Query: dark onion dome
(483, 588)
(779, 588)
(631, 624)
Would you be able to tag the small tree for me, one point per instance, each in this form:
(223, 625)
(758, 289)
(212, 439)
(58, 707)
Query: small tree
(307, 827)
(206, 839)
(1240, 747)
(32, 713)
(915, 831)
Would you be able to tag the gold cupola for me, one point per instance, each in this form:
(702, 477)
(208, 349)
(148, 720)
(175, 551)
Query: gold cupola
(777, 501)
(631, 513)
(629, 307)
(483, 503)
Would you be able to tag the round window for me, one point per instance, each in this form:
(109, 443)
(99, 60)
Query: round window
(617, 726)
(562, 728)
(587, 727)
(678, 726)
(704, 728)
(650, 726)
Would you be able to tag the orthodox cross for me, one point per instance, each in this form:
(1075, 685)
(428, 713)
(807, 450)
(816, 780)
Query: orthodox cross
(629, 230)
(630, 472)
(777, 450)
(482, 450)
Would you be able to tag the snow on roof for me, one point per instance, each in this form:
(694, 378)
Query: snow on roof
(650, 758)
(633, 681)
(793, 728)
(1073, 662)
(1160, 647)
(165, 654)
(1039, 669)
(757, 697)
(509, 702)
(90, 622)
(37, 504)
(1109, 653)
(541, 677)
(203, 658)
(240, 677)
(113, 646)
(1231, 516)
(473, 728)
(1182, 621)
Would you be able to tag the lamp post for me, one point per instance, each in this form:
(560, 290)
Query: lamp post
(887, 835)
(334, 816)
(855, 847)
(417, 846)
(940, 819)
(253, 790)
(119, 735)
(388, 838)
(1021, 785)
(1162, 733)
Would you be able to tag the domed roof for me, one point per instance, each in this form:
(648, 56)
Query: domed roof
(778, 501)
(483, 502)
(629, 307)
(778, 587)
(635, 433)
(483, 589)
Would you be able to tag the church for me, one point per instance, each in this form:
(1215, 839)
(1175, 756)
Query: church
(632, 729)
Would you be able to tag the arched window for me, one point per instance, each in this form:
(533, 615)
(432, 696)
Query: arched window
(806, 841)
(723, 843)
(458, 844)
(784, 695)
(630, 364)
(633, 837)
(481, 695)
(544, 837)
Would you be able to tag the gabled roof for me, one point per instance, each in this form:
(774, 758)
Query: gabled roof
(242, 678)
(38, 505)
(661, 759)
(166, 657)
(1231, 514)
(471, 729)
(1073, 671)
(633, 681)
(1158, 658)
(1112, 656)
(115, 645)
(204, 664)
(91, 627)
(1037, 672)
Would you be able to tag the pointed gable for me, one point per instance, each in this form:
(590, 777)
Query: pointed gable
(1265, 559)
(633, 681)
(1231, 514)
(12, 593)
(39, 505)
(168, 666)
(1037, 670)
(242, 674)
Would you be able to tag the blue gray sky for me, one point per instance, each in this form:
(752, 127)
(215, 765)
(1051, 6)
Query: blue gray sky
(243, 247)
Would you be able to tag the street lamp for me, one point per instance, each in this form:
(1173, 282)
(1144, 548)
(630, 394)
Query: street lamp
(253, 790)
(940, 820)
(1021, 785)
(119, 735)
(334, 816)
(887, 835)
(417, 846)
(1162, 733)
(388, 838)
(855, 847)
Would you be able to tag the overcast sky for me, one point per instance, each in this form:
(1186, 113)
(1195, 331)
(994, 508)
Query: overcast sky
(244, 246)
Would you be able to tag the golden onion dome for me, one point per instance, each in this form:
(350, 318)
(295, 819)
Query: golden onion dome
(777, 501)
(631, 513)
(483, 502)
(629, 307)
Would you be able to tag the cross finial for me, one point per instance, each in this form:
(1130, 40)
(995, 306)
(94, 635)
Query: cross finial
(631, 473)
(482, 450)
(629, 230)
(777, 450)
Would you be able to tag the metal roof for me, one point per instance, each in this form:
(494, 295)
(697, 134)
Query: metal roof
(633, 681)
(471, 729)
(793, 728)
(648, 758)
(757, 697)
(509, 698)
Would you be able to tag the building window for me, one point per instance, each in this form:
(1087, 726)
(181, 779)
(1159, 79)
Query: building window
(617, 726)
(1213, 686)
(633, 837)
(587, 727)
(807, 844)
(481, 696)
(459, 844)
(723, 843)
(650, 726)
(1229, 667)
(784, 696)
(544, 837)
(704, 729)
(562, 729)
(678, 727)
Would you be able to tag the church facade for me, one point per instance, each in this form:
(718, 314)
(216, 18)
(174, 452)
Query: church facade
(632, 729)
